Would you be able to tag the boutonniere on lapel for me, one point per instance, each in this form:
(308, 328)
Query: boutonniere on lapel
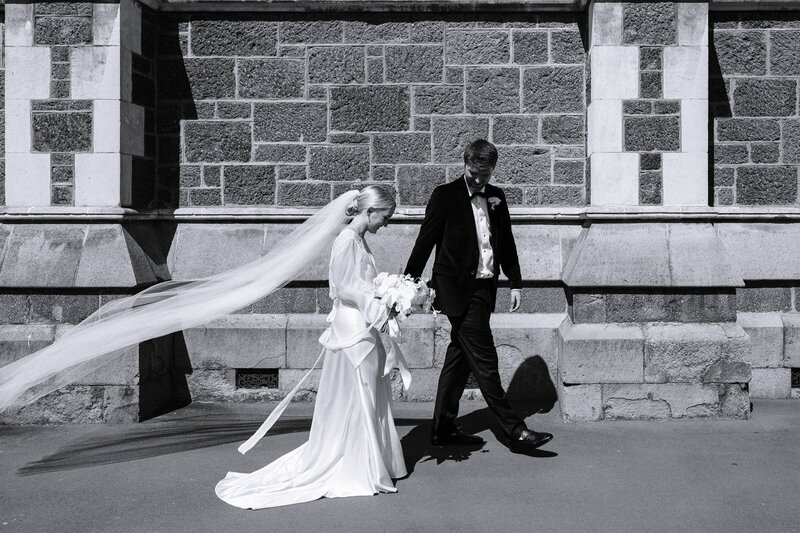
(494, 201)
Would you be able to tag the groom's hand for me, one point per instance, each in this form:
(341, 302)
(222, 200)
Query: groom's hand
(516, 299)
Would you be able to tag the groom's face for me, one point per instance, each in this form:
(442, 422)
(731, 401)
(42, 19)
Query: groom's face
(477, 176)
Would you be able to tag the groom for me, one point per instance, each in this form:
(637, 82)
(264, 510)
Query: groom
(467, 220)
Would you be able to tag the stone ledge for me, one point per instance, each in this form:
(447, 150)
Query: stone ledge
(361, 6)
(766, 331)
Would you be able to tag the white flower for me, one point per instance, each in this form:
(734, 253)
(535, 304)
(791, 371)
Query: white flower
(494, 201)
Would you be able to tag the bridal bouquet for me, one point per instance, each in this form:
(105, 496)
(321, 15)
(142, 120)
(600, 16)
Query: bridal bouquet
(403, 294)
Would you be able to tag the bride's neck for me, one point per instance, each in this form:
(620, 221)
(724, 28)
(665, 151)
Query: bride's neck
(358, 225)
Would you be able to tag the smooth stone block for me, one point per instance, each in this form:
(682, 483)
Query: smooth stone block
(791, 336)
(27, 179)
(106, 24)
(605, 23)
(106, 126)
(685, 179)
(18, 131)
(615, 72)
(27, 73)
(670, 400)
(771, 383)
(762, 251)
(766, 338)
(581, 403)
(602, 353)
(694, 125)
(686, 72)
(604, 128)
(239, 341)
(201, 250)
(418, 340)
(100, 179)
(615, 178)
(697, 258)
(692, 24)
(527, 350)
(42, 255)
(18, 25)
(17, 341)
(302, 339)
(290, 377)
(96, 73)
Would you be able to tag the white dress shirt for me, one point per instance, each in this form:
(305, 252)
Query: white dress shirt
(480, 212)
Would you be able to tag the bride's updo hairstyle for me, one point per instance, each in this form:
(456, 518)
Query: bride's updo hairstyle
(373, 197)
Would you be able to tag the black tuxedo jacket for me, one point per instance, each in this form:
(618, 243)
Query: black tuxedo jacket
(449, 225)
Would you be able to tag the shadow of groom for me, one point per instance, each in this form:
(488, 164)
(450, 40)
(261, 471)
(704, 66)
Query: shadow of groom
(530, 391)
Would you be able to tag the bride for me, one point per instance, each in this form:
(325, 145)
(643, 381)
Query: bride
(353, 448)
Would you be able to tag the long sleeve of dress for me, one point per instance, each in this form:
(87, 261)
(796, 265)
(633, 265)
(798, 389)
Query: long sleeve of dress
(351, 274)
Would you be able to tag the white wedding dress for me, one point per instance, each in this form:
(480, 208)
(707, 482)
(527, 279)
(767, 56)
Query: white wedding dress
(353, 448)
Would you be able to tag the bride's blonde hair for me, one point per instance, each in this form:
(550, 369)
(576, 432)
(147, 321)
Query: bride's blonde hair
(373, 197)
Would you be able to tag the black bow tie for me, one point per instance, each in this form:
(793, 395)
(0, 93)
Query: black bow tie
(482, 194)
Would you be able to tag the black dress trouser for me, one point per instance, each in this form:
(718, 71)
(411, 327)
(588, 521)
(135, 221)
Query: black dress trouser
(472, 349)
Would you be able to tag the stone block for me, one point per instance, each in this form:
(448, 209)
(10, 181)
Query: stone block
(414, 64)
(568, 172)
(418, 340)
(771, 383)
(602, 353)
(376, 31)
(723, 196)
(200, 250)
(566, 47)
(477, 47)
(527, 347)
(692, 24)
(790, 141)
(96, 73)
(650, 85)
(338, 163)
(553, 90)
(105, 260)
(289, 378)
(304, 194)
(766, 185)
(302, 339)
(723, 176)
(229, 110)
(615, 178)
(652, 306)
(753, 97)
(605, 24)
(791, 339)
(198, 78)
(650, 58)
(651, 187)
(581, 403)
(452, 134)
(280, 153)
(764, 299)
(233, 38)
(106, 25)
(205, 197)
(64, 30)
(17, 341)
(685, 178)
(565, 129)
(401, 148)
(290, 121)
(730, 154)
(271, 78)
(765, 153)
(362, 109)
(423, 385)
(427, 31)
(62, 132)
(16, 127)
(685, 352)
(438, 100)
(336, 64)
(686, 72)
(239, 341)
(217, 141)
(727, 373)
(671, 400)
(649, 23)
(492, 90)
(604, 128)
(523, 165)
(741, 52)
(27, 179)
(18, 29)
(311, 31)
(763, 251)
(522, 129)
(27, 73)
(784, 53)
(416, 183)
(530, 47)
(623, 61)
(43, 255)
(106, 126)
(249, 185)
(734, 401)
(748, 129)
(645, 134)
(103, 179)
(74, 404)
(376, 72)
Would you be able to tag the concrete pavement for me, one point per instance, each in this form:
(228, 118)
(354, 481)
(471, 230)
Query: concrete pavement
(159, 476)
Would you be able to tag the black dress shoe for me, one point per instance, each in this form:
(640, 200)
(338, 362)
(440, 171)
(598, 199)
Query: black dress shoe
(529, 440)
(456, 437)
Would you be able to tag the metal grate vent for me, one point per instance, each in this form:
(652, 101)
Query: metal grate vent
(796, 378)
(257, 378)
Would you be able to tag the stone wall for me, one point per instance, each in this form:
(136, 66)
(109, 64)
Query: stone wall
(755, 69)
(288, 111)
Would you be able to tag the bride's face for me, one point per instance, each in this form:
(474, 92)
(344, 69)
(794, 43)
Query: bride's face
(378, 219)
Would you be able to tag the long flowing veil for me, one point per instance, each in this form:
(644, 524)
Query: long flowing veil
(168, 307)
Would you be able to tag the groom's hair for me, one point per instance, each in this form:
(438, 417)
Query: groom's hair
(480, 153)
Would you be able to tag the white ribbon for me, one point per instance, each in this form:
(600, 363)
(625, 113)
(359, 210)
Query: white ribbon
(394, 359)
